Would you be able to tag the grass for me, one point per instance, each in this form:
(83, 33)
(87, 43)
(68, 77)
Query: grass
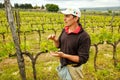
(46, 64)
(46, 67)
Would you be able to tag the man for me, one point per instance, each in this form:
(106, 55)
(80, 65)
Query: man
(74, 44)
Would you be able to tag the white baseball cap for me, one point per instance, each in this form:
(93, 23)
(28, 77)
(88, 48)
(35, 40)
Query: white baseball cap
(75, 12)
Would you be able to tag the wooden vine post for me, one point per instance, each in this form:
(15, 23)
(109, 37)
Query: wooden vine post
(17, 16)
(10, 19)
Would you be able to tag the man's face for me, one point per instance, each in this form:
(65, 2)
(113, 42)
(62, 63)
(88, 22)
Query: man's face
(69, 20)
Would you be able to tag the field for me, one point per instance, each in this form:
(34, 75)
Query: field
(35, 26)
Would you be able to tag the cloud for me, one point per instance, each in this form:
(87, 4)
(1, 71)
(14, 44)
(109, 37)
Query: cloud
(85, 3)
(70, 3)
(33, 2)
(69, 0)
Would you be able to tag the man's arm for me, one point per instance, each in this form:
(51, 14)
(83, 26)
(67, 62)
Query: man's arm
(71, 57)
(56, 42)
(67, 56)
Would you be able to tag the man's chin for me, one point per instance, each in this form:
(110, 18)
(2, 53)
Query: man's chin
(66, 25)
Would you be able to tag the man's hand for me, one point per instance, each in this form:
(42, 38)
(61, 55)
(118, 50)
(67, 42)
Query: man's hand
(55, 40)
(57, 54)
(74, 58)
(52, 37)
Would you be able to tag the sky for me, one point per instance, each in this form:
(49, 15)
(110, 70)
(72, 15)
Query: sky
(70, 3)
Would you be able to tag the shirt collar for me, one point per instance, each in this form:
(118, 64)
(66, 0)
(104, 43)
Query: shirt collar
(76, 31)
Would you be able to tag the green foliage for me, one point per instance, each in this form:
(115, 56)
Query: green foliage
(36, 7)
(52, 7)
(7, 49)
(1, 5)
(94, 38)
(103, 72)
(23, 47)
(118, 67)
(47, 45)
(107, 35)
(23, 6)
(46, 64)
(109, 11)
(16, 5)
(42, 7)
(0, 59)
(104, 34)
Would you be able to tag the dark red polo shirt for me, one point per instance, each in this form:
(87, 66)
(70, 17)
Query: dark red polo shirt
(76, 31)
(74, 43)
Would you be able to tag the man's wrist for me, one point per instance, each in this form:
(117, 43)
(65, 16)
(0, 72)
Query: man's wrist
(63, 55)
(55, 40)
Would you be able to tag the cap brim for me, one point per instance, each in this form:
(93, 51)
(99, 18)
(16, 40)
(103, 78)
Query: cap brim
(64, 12)
(67, 13)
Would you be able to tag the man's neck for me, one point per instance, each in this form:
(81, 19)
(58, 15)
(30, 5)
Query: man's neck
(73, 27)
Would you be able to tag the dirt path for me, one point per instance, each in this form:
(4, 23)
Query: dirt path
(8, 61)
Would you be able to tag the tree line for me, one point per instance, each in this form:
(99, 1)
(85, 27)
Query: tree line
(23, 6)
(2, 5)
(48, 7)
(16, 5)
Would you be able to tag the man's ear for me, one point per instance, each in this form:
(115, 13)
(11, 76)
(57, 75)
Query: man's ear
(76, 19)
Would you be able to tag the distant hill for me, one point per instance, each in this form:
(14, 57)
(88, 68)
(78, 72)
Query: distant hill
(103, 8)
(100, 8)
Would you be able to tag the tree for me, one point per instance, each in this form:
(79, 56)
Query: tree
(28, 6)
(42, 7)
(23, 6)
(52, 7)
(36, 7)
(109, 11)
(1, 5)
(16, 5)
